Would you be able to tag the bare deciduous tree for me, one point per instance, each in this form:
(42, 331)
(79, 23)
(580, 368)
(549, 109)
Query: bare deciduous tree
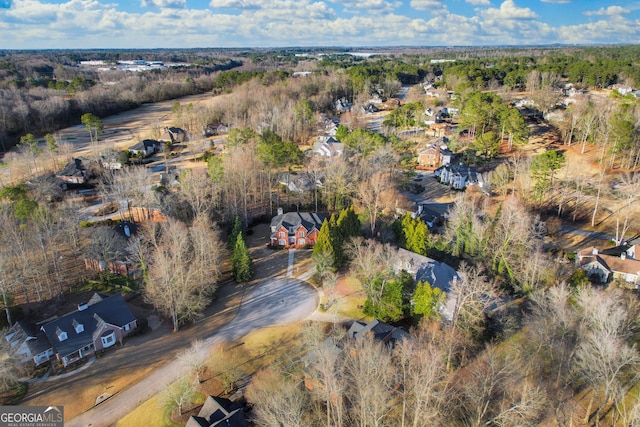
(179, 393)
(183, 269)
(278, 401)
(194, 358)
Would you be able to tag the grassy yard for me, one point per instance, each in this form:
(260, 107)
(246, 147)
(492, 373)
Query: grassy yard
(254, 351)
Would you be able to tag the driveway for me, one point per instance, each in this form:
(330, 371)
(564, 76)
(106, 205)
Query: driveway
(274, 301)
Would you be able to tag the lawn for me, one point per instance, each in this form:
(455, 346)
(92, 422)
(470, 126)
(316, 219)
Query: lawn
(249, 354)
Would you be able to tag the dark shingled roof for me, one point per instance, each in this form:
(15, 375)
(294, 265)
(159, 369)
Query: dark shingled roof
(73, 168)
(112, 310)
(218, 411)
(381, 331)
(295, 219)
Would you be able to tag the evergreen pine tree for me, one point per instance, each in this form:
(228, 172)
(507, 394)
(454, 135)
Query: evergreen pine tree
(349, 223)
(241, 263)
(236, 228)
(426, 300)
(323, 248)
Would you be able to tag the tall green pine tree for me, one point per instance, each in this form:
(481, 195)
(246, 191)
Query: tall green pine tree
(324, 246)
(242, 265)
(349, 223)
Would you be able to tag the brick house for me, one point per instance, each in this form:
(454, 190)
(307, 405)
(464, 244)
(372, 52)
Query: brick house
(295, 229)
(96, 325)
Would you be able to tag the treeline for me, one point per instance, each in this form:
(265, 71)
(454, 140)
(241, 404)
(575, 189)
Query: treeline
(44, 94)
(587, 67)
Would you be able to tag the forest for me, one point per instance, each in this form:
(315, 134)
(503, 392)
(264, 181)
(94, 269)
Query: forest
(531, 340)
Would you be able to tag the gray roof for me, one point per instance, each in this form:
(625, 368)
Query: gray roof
(218, 411)
(144, 144)
(73, 168)
(309, 220)
(381, 331)
(112, 310)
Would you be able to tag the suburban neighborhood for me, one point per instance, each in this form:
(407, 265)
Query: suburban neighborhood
(329, 238)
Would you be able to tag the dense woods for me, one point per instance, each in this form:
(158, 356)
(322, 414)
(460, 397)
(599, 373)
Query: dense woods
(528, 340)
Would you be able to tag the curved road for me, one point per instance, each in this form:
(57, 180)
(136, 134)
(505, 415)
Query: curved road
(274, 302)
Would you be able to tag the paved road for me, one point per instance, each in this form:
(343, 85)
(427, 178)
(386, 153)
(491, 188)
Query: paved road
(274, 302)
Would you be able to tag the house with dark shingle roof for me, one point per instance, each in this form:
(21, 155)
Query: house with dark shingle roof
(94, 326)
(73, 172)
(295, 229)
(218, 411)
(146, 147)
(380, 331)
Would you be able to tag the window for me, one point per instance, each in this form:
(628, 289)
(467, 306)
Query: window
(301, 234)
(108, 339)
(282, 234)
(127, 327)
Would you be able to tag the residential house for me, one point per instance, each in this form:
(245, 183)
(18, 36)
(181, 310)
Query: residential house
(621, 262)
(429, 214)
(327, 146)
(438, 274)
(300, 182)
(111, 160)
(429, 157)
(328, 125)
(123, 266)
(219, 412)
(29, 343)
(96, 325)
(73, 173)
(342, 105)
(176, 135)
(295, 229)
(435, 154)
(380, 331)
(213, 129)
(369, 108)
(459, 176)
(624, 90)
(146, 148)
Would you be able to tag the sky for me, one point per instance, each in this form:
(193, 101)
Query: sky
(61, 24)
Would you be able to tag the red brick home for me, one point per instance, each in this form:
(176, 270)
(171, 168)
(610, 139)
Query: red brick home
(295, 229)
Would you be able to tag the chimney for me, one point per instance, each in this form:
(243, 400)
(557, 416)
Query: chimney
(595, 251)
(82, 306)
(280, 211)
(623, 255)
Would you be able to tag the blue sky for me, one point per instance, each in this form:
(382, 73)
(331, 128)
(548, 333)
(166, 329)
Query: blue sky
(46, 24)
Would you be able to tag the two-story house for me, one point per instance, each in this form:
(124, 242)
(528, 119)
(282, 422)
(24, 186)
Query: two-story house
(295, 229)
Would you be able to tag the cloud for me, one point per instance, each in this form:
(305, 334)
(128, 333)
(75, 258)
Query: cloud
(479, 2)
(616, 28)
(170, 4)
(610, 11)
(509, 10)
(371, 6)
(237, 4)
(433, 6)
